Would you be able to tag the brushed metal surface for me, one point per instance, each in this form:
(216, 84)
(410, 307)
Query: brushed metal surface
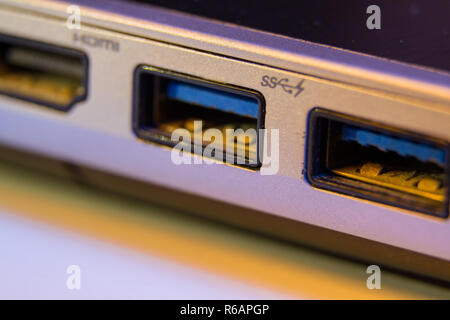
(97, 132)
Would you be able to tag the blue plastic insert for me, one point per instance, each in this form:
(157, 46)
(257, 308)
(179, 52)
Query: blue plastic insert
(212, 98)
(404, 147)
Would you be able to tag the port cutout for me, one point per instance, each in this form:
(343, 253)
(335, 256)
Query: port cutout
(166, 101)
(375, 162)
(45, 74)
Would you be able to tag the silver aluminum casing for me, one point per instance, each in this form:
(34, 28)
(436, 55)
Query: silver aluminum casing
(97, 133)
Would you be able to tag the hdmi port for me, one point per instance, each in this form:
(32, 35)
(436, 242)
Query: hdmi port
(45, 74)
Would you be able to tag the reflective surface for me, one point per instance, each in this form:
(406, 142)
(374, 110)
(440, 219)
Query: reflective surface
(128, 249)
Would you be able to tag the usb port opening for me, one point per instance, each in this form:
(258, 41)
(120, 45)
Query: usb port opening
(45, 74)
(166, 101)
(376, 162)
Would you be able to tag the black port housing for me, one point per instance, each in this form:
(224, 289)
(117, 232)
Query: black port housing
(154, 109)
(42, 73)
(372, 161)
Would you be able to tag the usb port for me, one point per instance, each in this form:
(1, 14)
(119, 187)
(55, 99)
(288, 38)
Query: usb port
(375, 162)
(45, 74)
(166, 101)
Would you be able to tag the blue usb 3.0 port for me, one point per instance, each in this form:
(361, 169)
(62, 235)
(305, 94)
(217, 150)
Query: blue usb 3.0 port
(208, 97)
(165, 101)
(379, 163)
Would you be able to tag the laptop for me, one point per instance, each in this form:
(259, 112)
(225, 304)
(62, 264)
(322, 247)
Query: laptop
(317, 122)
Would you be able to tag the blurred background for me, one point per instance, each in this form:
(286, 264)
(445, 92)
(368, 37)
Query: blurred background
(127, 249)
(124, 248)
